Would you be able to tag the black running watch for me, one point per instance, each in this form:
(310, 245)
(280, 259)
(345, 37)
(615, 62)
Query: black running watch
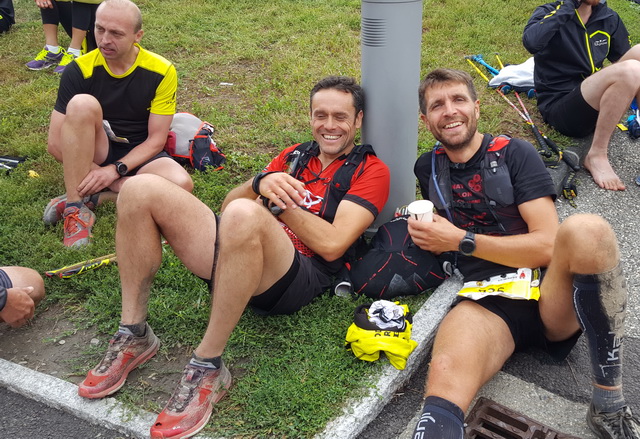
(121, 169)
(467, 244)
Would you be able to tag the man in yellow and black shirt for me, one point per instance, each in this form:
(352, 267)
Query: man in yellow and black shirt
(111, 119)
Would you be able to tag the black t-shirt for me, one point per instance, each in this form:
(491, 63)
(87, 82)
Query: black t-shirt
(149, 86)
(530, 180)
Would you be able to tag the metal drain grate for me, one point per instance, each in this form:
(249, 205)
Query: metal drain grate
(490, 420)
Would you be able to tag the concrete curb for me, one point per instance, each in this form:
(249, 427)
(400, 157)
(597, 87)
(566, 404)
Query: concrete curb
(358, 413)
(57, 393)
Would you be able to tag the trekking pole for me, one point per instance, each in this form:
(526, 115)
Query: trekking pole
(499, 60)
(82, 267)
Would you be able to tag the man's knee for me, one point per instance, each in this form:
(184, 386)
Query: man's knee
(140, 191)
(590, 243)
(83, 107)
(243, 219)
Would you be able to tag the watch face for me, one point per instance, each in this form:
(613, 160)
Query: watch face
(121, 168)
(467, 246)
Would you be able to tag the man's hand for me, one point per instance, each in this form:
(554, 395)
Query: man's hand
(43, 4)
(437, 237)
(282, 189)
(98, 179)
(19, 307)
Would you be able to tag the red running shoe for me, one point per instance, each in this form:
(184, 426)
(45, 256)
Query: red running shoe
(125, 353)
(191, 404)
(77, 226)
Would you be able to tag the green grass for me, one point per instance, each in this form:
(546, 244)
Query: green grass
(296, 373)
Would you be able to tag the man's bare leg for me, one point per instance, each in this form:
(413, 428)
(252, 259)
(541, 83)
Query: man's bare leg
(610, 91)
(83, 142)
(149, 207)
(254, 254)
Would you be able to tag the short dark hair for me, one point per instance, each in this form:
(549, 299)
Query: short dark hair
(343, 83)
(440, 76)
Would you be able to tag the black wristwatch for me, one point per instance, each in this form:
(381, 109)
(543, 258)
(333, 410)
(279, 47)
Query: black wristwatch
(121, 169)
(467, 244)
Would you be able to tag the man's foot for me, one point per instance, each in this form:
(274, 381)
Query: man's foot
(66, 59)
(54, 210)
(619, 425)
(45, 59)
(125, 353)
(603, 173)
(77, 226)
(191, 404)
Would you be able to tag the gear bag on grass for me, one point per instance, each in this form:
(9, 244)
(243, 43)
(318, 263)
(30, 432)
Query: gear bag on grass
(381, 326)
(394, 266)
(190, 141)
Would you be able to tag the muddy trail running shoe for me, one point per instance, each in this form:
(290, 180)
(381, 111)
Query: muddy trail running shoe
(125, 353)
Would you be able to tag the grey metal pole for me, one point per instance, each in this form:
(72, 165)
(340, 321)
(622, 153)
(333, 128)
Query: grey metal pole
(391, 36)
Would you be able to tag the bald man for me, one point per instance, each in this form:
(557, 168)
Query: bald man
(111, 120)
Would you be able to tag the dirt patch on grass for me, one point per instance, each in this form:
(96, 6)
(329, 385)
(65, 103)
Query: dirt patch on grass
(53, 344)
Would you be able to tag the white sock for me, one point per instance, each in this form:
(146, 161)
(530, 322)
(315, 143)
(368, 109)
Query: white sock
(74, 52)
(53, 49)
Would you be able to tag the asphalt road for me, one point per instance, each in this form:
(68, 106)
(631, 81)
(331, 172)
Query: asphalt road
(24, 418)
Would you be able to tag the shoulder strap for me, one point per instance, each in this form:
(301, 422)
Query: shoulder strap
(341, 181)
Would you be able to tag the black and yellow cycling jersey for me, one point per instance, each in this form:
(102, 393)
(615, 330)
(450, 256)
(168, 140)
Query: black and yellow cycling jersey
(149, 86)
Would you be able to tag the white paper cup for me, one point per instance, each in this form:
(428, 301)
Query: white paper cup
(422, 210)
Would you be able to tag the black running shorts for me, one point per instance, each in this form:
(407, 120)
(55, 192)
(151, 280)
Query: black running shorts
(572, 115)
(4, 280)
(523, 319)
(117, 151)
(297, 288)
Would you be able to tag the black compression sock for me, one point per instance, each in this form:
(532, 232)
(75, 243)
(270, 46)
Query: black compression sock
(440, 419)
(600, 301)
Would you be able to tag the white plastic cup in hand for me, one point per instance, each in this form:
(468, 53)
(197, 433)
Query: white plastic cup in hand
(422, 210)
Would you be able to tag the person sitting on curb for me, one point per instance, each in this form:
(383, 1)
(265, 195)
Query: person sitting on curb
(275, 254)
(570, 40)
(111, 120)
(21, 289)
(494, 199)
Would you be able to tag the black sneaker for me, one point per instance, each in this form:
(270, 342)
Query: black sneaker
(618, 425)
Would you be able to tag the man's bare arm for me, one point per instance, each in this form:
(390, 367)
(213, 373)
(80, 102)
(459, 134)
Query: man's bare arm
(532, 249)
(329, 240)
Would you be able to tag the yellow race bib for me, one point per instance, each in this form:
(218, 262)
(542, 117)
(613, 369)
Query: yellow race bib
(524, 284)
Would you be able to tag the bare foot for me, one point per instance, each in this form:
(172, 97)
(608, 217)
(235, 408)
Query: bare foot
(603, 173)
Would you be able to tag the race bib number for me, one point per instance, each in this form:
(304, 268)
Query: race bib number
(524, 284)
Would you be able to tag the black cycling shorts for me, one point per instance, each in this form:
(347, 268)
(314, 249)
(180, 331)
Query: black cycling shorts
(523, 319)
(297, 288)
(572, 115)
(5, 281)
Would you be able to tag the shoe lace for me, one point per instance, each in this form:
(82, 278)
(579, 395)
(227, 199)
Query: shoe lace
(624, 425)
(116, 345)
(189, 384)
(41, 55)
(66, 59)
(72, 221)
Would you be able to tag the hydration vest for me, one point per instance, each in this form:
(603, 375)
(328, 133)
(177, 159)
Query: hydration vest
(496, 180)
(341, 180)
